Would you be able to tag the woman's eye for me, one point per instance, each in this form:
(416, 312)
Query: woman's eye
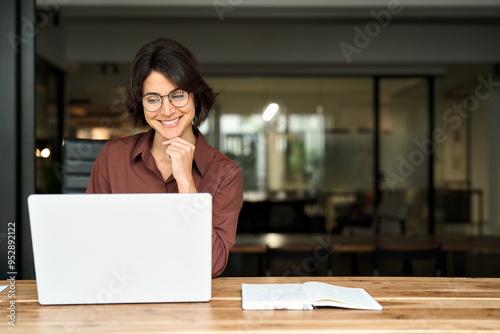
(153, 99)
(179, 95)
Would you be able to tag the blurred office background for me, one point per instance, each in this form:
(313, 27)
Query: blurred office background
(395, 101)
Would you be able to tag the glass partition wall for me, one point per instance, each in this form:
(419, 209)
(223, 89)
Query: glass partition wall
(405, 150)
(313, 138)
(301, 139)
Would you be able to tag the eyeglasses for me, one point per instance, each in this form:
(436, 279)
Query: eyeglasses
(178, 98)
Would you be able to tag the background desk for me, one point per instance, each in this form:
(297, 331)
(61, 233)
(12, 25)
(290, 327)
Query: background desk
(411, 305)
(258, 243)
(456, 245)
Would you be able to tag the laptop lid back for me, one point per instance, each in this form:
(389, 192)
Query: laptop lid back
(122, 248)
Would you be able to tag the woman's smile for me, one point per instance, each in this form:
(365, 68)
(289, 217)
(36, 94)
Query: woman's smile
(172, 123)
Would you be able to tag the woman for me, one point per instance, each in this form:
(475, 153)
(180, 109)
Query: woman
(166, 91)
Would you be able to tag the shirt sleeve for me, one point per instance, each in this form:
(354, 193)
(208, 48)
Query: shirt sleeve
(99, 181)
(227, 203)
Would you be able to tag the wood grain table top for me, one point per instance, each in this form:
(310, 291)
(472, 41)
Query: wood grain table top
(411, 305)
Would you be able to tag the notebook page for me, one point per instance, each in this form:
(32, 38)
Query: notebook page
(274, 296)
(355, 297)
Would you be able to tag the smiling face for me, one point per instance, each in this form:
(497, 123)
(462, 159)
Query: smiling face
(169, 122)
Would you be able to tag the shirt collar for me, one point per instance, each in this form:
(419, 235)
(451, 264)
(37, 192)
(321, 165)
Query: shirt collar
(143, 144)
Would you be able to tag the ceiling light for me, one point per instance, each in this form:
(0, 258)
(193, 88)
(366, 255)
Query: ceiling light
(270, 111)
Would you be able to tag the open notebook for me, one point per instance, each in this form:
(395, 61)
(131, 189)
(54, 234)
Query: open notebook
(305, 296)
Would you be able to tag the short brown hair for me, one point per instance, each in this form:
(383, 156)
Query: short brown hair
(178, 65)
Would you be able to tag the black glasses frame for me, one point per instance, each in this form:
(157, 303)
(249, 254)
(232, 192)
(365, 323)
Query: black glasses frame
(164, 96)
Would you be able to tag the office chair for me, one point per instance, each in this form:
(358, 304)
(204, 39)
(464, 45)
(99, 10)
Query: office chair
(389, 218)
(78, 157)
(407, 254)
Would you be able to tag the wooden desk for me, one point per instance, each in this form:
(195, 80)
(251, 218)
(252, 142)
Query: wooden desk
(411, 305)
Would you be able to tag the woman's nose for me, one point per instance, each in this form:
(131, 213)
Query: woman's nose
(167, 108)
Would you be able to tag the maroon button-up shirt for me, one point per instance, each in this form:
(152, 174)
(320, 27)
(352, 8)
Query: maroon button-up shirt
(126, 165)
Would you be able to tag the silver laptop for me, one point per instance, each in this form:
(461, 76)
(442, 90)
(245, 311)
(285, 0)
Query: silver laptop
(122, 248)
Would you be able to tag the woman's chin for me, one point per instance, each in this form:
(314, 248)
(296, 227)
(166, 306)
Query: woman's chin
(170, 134)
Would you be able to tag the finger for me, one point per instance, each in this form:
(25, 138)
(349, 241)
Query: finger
(188, 148)
(176, 152)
